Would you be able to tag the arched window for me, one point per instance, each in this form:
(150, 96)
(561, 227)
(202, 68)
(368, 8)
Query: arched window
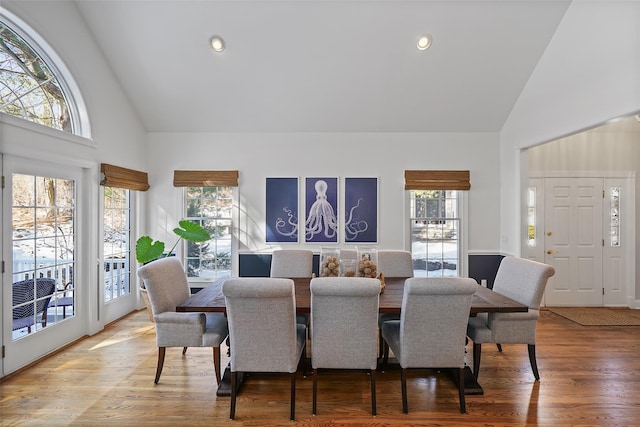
(34, 84)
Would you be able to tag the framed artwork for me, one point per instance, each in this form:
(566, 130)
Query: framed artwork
(282, 210)
(321, 208)
(361, 210)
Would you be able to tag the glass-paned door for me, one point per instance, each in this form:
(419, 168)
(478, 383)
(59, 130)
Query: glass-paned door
(117, 248)
(39, 282)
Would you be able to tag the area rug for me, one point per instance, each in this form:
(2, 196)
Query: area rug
(598, 316)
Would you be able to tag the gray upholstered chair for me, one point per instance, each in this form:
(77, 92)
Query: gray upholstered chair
(263, 333)
(522, 280)
(30, 301)
(393, 263)
(291, 263)
(431, 329)
(167, 286)
(344, 335)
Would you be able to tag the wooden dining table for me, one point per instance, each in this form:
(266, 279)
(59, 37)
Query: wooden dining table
(210, 299)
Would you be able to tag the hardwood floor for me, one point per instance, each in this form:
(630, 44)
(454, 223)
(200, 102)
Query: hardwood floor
(590, 375)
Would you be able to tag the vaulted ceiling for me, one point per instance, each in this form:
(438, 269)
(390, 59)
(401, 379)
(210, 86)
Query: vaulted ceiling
(323, 66)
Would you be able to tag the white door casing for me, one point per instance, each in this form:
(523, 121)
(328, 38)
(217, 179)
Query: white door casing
(568, 207)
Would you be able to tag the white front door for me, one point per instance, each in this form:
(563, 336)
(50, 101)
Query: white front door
(573, 233)
(39, 245)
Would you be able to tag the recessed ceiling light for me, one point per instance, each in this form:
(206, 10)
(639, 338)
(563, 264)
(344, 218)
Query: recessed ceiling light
(217, 43)
(424, 41)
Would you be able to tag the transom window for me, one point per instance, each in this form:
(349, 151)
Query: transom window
(29, 88)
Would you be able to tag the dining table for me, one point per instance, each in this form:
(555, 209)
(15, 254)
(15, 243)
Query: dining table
(210, 299)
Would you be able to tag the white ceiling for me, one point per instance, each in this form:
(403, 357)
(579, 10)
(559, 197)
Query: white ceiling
(323, 66)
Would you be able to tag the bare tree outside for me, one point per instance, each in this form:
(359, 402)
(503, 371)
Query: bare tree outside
(28, 87)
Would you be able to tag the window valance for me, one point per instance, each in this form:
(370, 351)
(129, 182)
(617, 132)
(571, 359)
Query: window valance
(119, 177)
(436, 180)
(205, 178)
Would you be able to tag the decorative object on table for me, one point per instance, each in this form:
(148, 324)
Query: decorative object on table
(348, 267)
(321, 207)
(367, 262)
(361, 210)
(282, 210)
(329, 262)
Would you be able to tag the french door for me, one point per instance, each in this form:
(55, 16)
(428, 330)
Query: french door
(42, 307)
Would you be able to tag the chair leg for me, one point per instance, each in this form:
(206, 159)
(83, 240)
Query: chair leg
(315, 391)
(499, 346)
(234, 391)
(403, 384)
(161, 352)
(385, 357)
(292, 416)
(463, 405)
(216, 362)
(477, 352)
(532, 360)
(184, 350)
(373, 392)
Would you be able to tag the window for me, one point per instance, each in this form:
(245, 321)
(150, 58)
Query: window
(435, 232)
(531, 216)
(34, 83)
(116, 237)
(614, 208)
(43, 217)
(211, 207)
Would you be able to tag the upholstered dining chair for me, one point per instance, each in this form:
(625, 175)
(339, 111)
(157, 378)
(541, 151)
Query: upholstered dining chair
(524, 281)
(31, 298)
(344, 335)
(431, 329)
(393, 263)
(263, 333)
(291, 263)
(167, 286)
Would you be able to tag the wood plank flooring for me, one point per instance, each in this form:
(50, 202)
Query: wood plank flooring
(590, 376)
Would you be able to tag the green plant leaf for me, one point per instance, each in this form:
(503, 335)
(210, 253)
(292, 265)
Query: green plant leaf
(147, 250)
(192, 231)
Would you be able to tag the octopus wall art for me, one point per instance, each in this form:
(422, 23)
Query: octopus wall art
(282, 210)
(321, 198)
(361, 210)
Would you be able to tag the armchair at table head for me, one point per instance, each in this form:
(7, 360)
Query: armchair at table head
(431, 329)
(30, 303)
(167, 286)
(524, 281)
(263, 331)
(344, 335)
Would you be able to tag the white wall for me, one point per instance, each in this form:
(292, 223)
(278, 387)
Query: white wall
(385, 156)
(589, 73)
(117, 135)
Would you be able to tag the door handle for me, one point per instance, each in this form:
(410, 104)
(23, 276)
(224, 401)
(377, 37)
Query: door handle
(549, 233)
(549, 251)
